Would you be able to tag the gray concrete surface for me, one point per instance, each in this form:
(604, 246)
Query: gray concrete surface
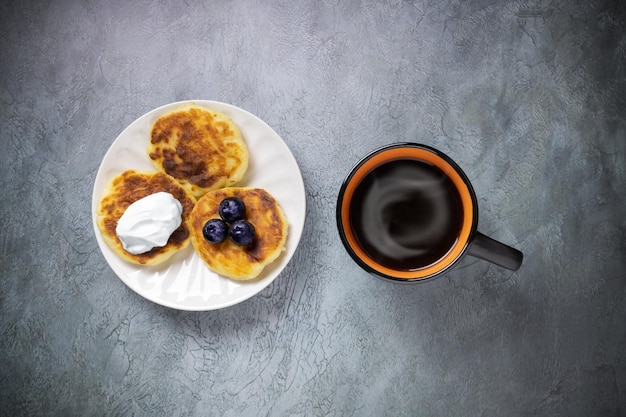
(529, 98)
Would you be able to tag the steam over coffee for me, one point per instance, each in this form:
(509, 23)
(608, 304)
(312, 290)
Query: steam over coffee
(406, 214)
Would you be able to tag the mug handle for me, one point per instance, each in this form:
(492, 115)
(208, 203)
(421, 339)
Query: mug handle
(491, 250)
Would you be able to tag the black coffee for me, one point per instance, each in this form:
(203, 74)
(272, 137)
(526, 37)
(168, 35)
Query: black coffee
(406, 214)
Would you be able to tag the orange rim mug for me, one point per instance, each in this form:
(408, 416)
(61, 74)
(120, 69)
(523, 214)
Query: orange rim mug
(469, 241)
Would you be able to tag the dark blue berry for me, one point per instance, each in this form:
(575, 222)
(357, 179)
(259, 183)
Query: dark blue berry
(232, 209)
(215, 230)
(241, 233)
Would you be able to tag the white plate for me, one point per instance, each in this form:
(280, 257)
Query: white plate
(184, 282)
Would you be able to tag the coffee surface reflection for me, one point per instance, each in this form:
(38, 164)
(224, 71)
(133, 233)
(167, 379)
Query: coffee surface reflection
(406, 214)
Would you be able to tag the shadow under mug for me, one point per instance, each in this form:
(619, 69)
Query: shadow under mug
(404, 190)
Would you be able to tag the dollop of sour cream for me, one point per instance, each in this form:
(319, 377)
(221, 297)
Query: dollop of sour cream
(149, 222)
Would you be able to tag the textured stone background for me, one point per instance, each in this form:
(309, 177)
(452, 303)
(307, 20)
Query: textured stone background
(528, 96)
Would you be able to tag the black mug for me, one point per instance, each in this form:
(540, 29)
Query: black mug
(407, 212)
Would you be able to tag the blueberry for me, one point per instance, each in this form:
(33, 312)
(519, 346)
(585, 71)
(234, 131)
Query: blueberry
(232, 209)
(241, 233)
(215, 231)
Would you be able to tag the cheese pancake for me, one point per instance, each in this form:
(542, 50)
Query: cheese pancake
(201, 148)
(227, 258)
(129, 187)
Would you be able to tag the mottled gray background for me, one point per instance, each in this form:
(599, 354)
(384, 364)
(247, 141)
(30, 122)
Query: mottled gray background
(528, 96)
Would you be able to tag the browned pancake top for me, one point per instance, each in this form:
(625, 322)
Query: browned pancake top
(131, 186)
(232, 260)
(196, 145)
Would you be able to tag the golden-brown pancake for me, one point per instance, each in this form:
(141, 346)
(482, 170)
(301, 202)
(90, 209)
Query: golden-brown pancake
(227, 258)
(129, 187)
(201, 148)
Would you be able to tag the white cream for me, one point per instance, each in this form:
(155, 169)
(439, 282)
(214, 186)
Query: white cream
(149, 222)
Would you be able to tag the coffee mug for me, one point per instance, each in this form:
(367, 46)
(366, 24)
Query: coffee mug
(407, 212)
